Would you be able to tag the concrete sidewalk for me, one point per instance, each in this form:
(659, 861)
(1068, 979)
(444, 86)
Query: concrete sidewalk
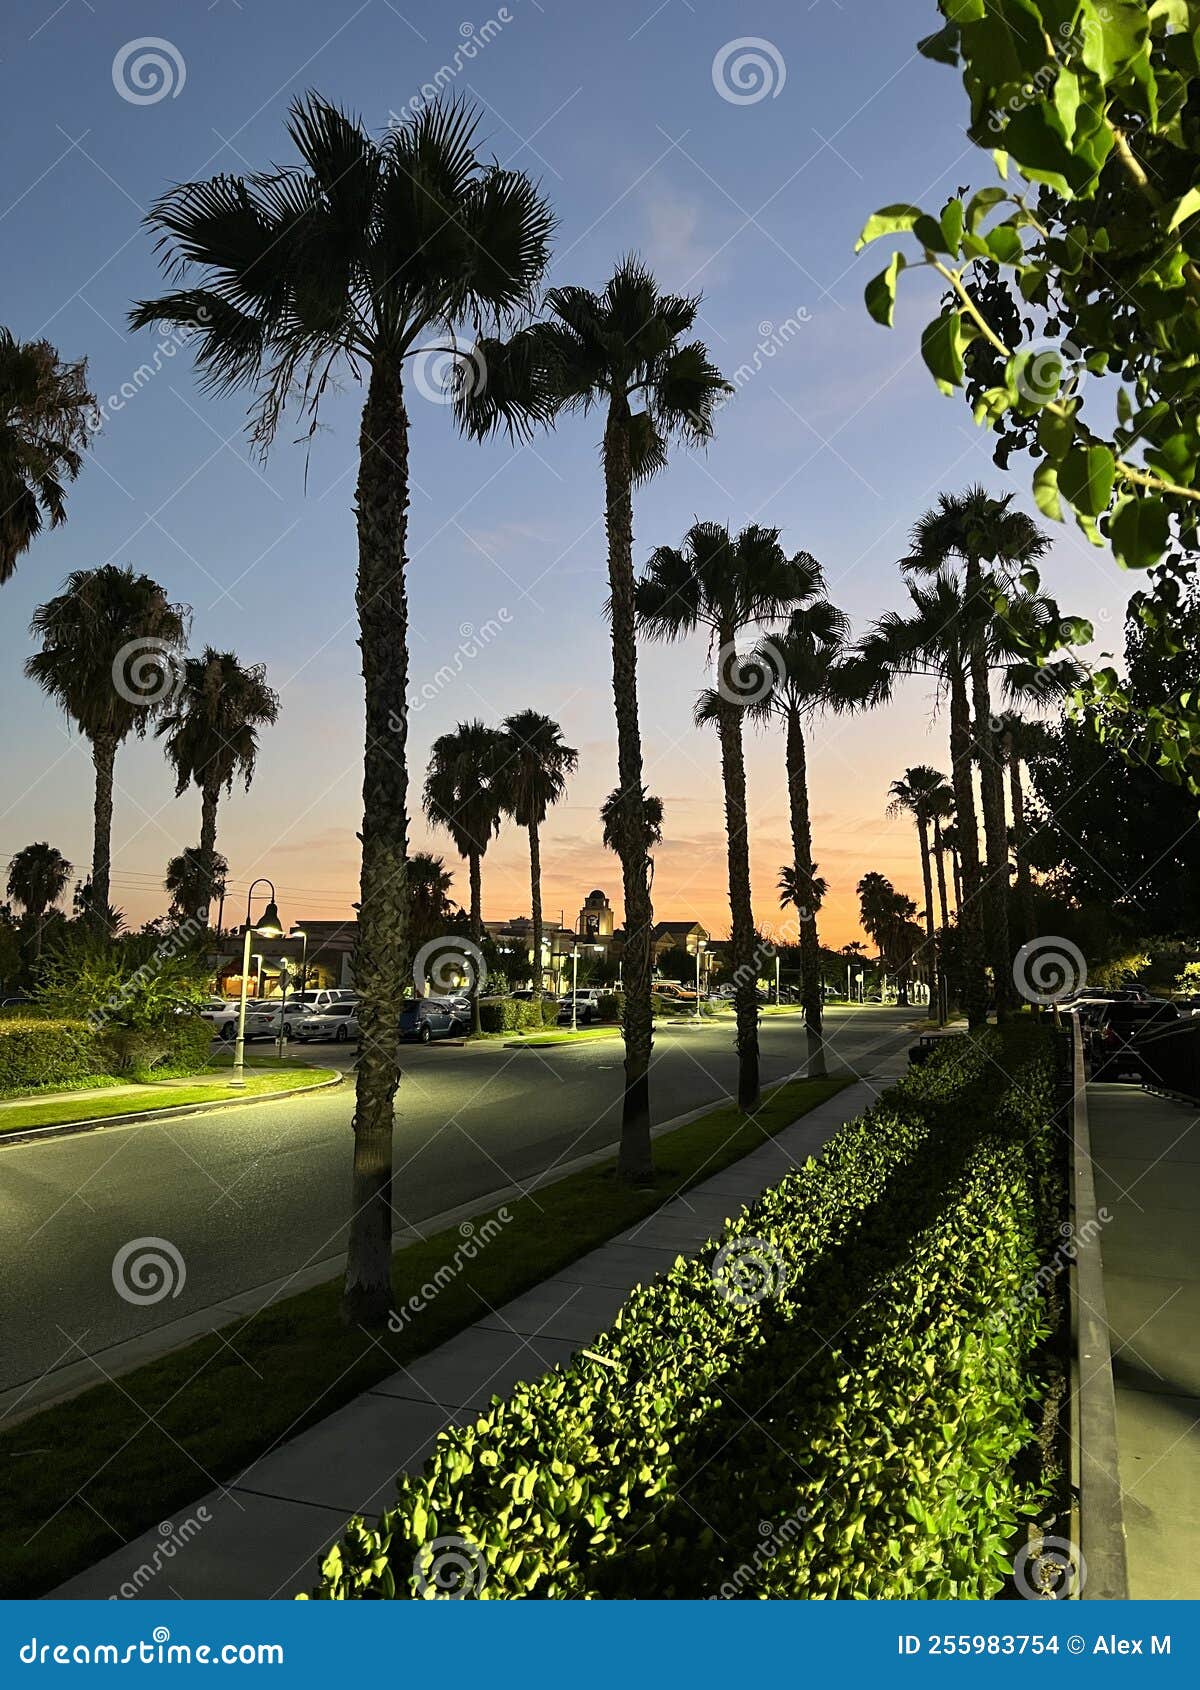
(262, 1535)
(1146, 1154)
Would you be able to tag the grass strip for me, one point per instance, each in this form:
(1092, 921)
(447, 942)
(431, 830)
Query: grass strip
(98, 1105)
(217, 1404)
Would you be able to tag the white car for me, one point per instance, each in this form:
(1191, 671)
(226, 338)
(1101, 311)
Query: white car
(263, 1018)
(315, 999)
(221, 1014)
(338, 1022)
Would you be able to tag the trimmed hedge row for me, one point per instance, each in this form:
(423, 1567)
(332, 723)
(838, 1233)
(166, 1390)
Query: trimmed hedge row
(516, 1015)
(45, 1053)
(853, 1432)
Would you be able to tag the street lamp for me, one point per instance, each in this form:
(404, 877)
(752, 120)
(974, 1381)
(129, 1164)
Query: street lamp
(776, 979)
(268, 926)
(574, 983)
(699, 954)
(294, 933)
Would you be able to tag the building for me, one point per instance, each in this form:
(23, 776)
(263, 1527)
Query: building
(687, 936)
(328, 961)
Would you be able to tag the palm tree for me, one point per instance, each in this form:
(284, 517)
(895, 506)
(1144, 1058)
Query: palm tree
(887, 916)
(108, 658)
(932, 640)
(804, 666)
(972, 529)
(464, 793)
(347, 263)
(538, 763)
(652, 813)
(1020, 741)
(429, 909)
(919, 792)
(951, 843)
(192, 879)
(724, 583)
(46, 414)
(37, 879)
(211, 733)
(622, 352)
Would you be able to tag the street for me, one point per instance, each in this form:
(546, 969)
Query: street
(249, 1194)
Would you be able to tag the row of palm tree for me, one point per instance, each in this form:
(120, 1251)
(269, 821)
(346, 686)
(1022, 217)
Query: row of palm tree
(478, 774)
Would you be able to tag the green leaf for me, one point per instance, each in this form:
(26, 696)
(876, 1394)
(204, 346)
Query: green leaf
(1055, 433)
(1086, 478)
(1187, 207)
(981, 203)
(891, 220)
(1112, 33)
(1045, 491)
(1004, 243)
(942, 345)
(880, 293)
(1138, 531)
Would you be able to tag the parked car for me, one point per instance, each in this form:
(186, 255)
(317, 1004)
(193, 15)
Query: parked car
(1119, 1039)
(337, 1022)
(671, 990)
(524, 994)
(582, 1007)
(267, 1013)
(317, 998)
(426, 1019)
(222, 1014)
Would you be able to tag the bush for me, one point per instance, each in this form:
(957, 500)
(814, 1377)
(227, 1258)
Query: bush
(612, 1006)
(177, 1049)
(37, 1051)
(516, 1015)
(862, 1383)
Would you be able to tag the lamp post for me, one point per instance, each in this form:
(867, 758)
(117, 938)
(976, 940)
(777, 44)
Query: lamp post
(574, 984)
(776, 979)
(699, 955)
(268, 927)
(294, 933)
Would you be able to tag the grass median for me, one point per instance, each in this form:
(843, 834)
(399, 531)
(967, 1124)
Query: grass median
(128, 1454)
(103, 1102)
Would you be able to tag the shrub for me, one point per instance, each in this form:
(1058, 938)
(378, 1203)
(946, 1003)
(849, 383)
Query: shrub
(181, 1047)
(37, 1051)
(516, 1015)
(870, 1408)
(612, 1006)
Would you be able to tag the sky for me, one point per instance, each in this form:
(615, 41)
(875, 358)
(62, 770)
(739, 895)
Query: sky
(623, 113)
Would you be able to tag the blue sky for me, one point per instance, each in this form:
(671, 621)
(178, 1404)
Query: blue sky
(837, 437)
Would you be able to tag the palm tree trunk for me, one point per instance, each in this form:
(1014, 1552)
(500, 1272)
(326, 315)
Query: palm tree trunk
(634, 1158)
(991, 791)
(209, 799)
(475, 874)
(927, 882)
(956, 867)
(381, 952)
(970, 924)
(802, 868)
(535, 905)
(741, 907)
(944, 914)
(1016, 793)
(104, 756)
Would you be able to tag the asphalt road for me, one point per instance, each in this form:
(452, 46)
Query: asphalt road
(248, 1195)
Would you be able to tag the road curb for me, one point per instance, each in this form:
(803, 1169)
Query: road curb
(63, 1129)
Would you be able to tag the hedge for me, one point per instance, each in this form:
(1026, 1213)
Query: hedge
(39, 1052)
(859, 1431)
(517, 1015)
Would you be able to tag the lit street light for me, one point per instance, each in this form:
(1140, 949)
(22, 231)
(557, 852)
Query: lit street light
(267, 927)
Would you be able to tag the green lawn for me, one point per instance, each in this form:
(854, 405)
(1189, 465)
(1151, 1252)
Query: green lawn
(216, 1404)
(100, 1103)
(519, 1041)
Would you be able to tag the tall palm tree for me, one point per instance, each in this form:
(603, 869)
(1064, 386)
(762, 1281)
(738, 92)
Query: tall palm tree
(950, 843)
(918, 793)
(464, 793)
(108, 658)
(622, 352)
(193, 878)
(972, 529)
(804, 665)
(932, 640)
(538, 763)
(211, 733)
(887, 916)
(346, 264)
(1020, 741)
(37, 878)
(652, 812)
(724, 584)
(45, 418)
